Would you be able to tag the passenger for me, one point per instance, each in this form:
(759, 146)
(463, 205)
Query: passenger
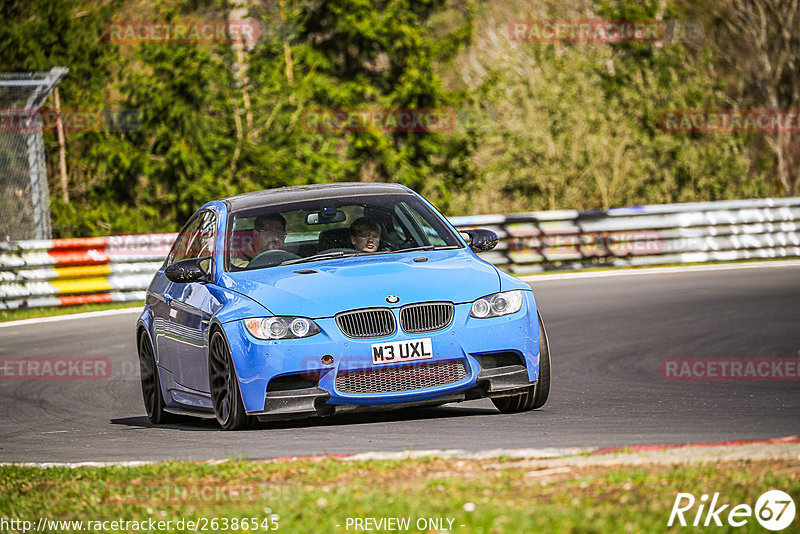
(365, 235)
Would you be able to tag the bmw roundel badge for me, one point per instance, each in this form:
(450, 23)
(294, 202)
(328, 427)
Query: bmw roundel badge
(392, 299)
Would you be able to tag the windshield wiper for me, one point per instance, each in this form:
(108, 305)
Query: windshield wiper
(415, 249)
(340, 254)
(323, 256)
(425, 247)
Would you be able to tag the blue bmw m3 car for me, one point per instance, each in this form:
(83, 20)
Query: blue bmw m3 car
(315, 300)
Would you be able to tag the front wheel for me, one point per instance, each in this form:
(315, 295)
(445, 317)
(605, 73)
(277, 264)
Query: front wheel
(225, 393)
(535, 396)
(151, 385)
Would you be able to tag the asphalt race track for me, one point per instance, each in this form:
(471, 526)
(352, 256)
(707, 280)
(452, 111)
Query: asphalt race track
(608, 336)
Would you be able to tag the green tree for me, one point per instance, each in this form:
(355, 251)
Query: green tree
(354, 55)
(576, 125)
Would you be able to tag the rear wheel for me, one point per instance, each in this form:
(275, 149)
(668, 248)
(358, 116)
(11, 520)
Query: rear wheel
(535, 396)
(151, 385)
(225, 394)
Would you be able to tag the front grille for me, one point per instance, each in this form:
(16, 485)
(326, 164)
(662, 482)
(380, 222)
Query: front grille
(426, 317)
(401, 378)
(370, 322)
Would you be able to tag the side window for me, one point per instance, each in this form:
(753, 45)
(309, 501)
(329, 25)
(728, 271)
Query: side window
(397, 228)
(431, 236)
(182, 241)
(196, 240)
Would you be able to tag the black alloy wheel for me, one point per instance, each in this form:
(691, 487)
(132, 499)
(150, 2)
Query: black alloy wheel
(225, 394)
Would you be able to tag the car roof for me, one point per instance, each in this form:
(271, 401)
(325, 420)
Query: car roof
(299, 193)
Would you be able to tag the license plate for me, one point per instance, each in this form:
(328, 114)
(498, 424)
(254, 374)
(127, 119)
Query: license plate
(402, 351)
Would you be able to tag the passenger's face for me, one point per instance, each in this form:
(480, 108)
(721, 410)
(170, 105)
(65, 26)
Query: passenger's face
(366, 242)
(270, 236)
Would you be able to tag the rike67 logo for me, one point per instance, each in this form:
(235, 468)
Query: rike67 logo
(774, 510)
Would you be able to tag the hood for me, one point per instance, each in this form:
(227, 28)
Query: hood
(365, 281)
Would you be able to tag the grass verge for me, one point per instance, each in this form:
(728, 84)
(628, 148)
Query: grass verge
(31, 313)
(435, 495)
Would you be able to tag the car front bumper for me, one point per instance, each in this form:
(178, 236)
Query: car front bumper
(463, 363)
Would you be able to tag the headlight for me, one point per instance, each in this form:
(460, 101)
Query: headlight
(281, 327)
(497, 304)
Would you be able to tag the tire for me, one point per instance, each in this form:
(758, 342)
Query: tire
(535, 396)
(151, 384)
(542, 387)
(225, 394)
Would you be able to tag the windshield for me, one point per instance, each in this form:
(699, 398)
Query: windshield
(332, 228)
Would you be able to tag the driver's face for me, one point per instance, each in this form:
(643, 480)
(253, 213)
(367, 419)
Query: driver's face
(270, 236)
(367, 242)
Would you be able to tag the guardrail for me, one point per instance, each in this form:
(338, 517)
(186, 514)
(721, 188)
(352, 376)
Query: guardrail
(643, 235)
(64, 272)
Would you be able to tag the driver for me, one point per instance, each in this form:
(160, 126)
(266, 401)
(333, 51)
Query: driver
(269, 233)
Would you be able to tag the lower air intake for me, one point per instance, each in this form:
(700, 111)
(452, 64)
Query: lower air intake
(401, 378)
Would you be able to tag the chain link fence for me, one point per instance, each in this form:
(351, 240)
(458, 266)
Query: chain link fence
(24, 194)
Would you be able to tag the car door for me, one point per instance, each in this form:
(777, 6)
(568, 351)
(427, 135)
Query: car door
(161, 295)
(188, 309)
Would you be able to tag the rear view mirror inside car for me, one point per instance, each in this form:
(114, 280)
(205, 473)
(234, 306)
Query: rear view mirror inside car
(326, 216)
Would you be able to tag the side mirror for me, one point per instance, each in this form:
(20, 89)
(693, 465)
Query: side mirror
(480, 240)
(190, 270)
